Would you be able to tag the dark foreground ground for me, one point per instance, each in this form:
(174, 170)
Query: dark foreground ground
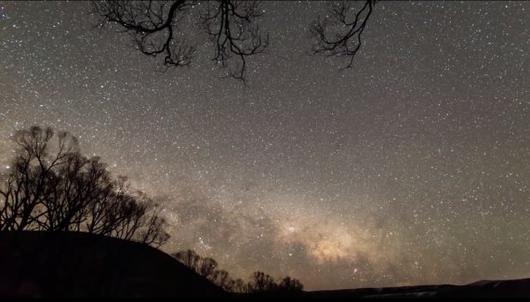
(44, 264)
(38, 264)
(481, 289)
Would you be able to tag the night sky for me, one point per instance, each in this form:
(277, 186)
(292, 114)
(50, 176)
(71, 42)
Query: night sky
(411, 167)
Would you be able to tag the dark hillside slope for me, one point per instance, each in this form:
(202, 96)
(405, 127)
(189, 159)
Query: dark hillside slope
(482, 289)
(43, 264)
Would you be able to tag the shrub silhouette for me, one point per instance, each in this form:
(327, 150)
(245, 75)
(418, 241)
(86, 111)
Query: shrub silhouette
(52, 187)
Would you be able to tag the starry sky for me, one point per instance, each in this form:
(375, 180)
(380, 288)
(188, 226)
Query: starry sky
(412, 167)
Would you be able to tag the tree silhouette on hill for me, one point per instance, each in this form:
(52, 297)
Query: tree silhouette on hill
(50, 186)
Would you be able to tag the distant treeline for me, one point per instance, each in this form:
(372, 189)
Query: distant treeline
(259, 281)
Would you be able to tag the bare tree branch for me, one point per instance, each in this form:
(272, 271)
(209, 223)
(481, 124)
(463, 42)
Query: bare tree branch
(154, 26)
(231, 27)
(157, 30)
(339, 34)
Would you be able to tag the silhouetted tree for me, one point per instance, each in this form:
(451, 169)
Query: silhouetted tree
(157, 28)
(290, 284)
(189, 258)
(223, 280)
(52, 187)
(239, 286)
(261, 282)
(206, 267)
(153, 233)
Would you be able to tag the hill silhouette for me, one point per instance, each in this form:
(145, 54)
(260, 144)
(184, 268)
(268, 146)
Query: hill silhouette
(518, 288)
(74, 264)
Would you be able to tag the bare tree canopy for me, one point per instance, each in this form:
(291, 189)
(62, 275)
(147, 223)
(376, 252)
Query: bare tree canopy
(52, 187)
(157, 29)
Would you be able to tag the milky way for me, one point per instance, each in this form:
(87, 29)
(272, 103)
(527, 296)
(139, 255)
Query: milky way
(411, 167)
